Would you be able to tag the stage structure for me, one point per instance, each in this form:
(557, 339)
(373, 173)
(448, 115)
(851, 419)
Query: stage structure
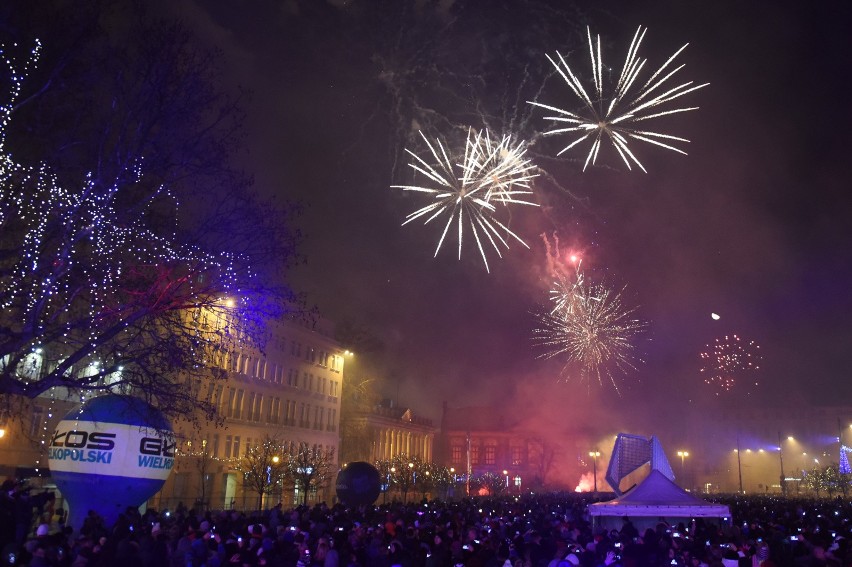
(656, 498)
(632, 452)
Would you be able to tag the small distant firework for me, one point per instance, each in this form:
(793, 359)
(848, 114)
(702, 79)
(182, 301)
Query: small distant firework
(490, 174)
(616, 116)
(590, 327)
(730, 361)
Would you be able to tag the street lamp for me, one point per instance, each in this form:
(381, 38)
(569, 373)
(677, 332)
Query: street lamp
(683, 455)
(506, 474)
(594, 455)
(781, 462)
(739, 468)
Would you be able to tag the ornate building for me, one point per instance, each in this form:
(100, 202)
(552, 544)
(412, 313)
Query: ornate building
(290, 392)
(382, 431)
(481, 440)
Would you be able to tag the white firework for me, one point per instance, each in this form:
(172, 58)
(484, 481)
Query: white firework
(490, 174)
(591, 330)
(617, 115)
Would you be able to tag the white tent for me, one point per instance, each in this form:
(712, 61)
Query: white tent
(656, 499)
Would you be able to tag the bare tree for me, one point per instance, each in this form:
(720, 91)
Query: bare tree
(384, 467)
(106, 283)
(542, 453)
(308, 469)
(404, 472)
(493, 483)
(263, 467)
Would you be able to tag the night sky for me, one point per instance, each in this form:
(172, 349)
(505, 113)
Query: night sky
(753, 224)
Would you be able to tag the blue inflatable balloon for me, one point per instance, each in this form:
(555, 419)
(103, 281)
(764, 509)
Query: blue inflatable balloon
(358, 484)
(112, 453)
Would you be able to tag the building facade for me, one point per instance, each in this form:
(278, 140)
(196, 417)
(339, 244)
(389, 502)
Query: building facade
(289, 393)
(384, 431)
(478, 440)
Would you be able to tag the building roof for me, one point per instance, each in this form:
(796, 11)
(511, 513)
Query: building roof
(660, 497)
(477, 418)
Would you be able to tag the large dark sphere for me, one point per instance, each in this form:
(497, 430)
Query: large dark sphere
(358, 484)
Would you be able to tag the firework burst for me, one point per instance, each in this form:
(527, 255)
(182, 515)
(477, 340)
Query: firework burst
(590, 328)
(616, 116)
(492, 175)
(729, 361)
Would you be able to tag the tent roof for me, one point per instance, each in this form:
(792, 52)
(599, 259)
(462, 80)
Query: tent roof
(658, 496)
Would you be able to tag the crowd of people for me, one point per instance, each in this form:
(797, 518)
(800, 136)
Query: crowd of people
(543, 530)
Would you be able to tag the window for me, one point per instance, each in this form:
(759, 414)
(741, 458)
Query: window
(214, 449)
(217, 398)
(250, 406)
(474, 454)
(517, 455)
(334, 388)
(232, 393)
(238, 404)
(276, 410)
(237, 447)
(490, 454)
(291, 412)
(258, 406)
(228, 441)
(456, 454)
(36, 420)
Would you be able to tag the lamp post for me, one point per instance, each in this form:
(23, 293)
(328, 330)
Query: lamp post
(594, 455)
(739, 462)
(506, 474)
(683, 455)
(781, 462)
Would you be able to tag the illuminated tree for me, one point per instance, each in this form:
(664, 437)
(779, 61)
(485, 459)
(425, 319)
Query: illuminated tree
(263, 466)
(404, 473)
(426, 477)
(490, 482)
(308, 469)
(384, 467)
(443, 478)
(817, 480)
(106, 283)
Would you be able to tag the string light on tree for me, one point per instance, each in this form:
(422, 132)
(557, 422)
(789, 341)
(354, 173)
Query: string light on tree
(104, 292)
